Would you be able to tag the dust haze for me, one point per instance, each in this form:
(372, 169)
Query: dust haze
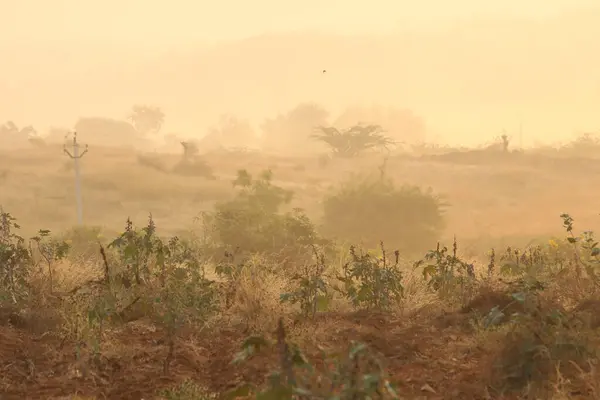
(267, 136)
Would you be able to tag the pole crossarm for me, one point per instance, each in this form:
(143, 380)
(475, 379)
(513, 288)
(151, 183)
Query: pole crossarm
(76, 156)
(76, 147)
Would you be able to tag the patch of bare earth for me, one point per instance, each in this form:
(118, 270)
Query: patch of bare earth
(425, 359)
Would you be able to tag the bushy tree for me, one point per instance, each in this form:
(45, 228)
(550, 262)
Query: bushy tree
(147, 119)
(105, 131)
(293, 129)
(253, 222)
(400, 123)
(10, 128)
(353, 141)
(367, 211)
(231, 132)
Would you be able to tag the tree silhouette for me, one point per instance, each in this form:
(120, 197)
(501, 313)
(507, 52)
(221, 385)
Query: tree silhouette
(290, 130)
(10, 128)
(147, 119)
(353, 141)
(230, 132)
(400, 123)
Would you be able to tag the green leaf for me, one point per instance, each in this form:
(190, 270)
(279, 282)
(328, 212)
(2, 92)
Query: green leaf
(429, 270)
(371, 380)
(572, 239)
(241, 391)
(390, 389)
(283, 297)
(255, 341)
(358, 348)
(298, 359)
(519, 296)
(494, 317)
(322, 303)
(302, 392)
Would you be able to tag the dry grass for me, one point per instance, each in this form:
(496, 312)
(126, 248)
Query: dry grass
(433, 347)
(485, 199)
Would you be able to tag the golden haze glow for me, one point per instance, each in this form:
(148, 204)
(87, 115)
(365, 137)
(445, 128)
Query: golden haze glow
(470, 68)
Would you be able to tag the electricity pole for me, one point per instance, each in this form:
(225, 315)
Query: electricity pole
(76, 156)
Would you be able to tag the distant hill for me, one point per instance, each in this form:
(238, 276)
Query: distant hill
(464, 78)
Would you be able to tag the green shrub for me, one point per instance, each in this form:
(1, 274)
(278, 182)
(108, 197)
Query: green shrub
(368, 211)
(252, 222)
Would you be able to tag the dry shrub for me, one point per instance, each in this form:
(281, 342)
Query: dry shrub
(252, 295)
(152, 161)
(194, 167)
(368, 211)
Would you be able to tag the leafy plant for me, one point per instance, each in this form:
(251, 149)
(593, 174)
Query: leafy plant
(51, 250)
(445, 271)
(253, 222)
(137, 248)
(589, 258)
(371, 282)
(357, 374)
(311, 288)
(15, 260)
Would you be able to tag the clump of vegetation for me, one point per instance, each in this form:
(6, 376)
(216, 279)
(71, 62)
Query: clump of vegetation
(355, 374)
(152, 161)
(253, 221)
(532, 314)
(372, 283)
(191, 164)
(447, 274)
(368, 211)
(353, 141)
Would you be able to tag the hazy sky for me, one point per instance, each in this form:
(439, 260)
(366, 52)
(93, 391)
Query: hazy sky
(66, 58)
(180, 22)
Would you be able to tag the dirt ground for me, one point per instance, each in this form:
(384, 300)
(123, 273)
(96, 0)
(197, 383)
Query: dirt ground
(431, 361)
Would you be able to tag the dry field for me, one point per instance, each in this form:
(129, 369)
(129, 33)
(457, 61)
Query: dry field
(528, 334)
(489, 198)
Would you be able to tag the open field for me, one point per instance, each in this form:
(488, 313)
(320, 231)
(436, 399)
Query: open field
(516, 326)
(489, 196)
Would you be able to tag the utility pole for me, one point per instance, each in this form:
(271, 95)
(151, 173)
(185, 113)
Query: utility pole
(76, 156)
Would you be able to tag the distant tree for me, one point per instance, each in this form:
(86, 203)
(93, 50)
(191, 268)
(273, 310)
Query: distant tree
(190, 150)
(10, 128)
(291, 130)
(147, 119)
(401, 124)
(230, 132)
(353, 141)
(505, 142)
(106, 131)
(57, 134)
